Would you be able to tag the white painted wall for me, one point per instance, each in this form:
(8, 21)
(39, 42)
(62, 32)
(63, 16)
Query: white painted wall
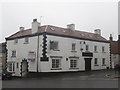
(22, 52)
(65, 45)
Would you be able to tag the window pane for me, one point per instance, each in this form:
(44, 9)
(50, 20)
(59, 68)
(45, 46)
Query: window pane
(16, 41)
(103, 49)
(26, 40)
(13, 53)
(95, 48)
(95, 61)
(55, 63)
(103, 61)
(73, 46)
(55, 45)
(73, 63)
(10, 67)
(87, 47)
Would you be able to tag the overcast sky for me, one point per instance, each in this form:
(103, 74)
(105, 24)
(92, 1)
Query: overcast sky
(87, 15)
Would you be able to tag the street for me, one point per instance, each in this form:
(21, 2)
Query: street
(92, 79)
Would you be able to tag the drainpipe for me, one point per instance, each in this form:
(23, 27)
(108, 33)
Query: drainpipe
(37, 52)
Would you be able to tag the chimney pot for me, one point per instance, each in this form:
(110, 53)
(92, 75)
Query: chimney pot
(111, 38)
(22, 28)
(71, 27)
(35, 20)
(97, 31)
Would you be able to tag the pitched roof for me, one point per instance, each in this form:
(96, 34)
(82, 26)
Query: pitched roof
(59, 31)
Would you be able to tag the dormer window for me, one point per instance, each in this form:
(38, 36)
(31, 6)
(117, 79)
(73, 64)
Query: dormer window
(15, 41)
(26, 40)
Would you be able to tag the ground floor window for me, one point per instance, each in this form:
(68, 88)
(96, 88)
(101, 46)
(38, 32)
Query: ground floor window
(96, 61)
(103, 61)
(73, 63)
(56, 63)
(11, 67)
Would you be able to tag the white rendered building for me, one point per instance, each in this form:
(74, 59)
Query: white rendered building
(54, 49)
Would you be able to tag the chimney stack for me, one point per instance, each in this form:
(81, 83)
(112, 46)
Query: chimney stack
(21, 28)
(71, 27)
(97, 31)
(35, 26)
(111, 38)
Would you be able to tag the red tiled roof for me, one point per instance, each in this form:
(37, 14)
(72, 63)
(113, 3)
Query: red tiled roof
(59, 31)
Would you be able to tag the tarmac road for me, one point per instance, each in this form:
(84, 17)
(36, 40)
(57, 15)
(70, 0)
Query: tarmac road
(93, 79)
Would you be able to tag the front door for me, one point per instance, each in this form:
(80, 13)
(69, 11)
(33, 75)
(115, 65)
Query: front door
(87, 64)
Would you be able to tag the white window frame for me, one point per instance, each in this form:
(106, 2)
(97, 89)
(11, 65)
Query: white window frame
(103, 49)
(73, 46)
(26, 40)
(13, 54)
(95, 48)
(15, 41)
(96, 61)
(87, 47)
(73, 63)
(103, 60)
(56, 63)
(12, 67)
(54, 45)
(17, 65)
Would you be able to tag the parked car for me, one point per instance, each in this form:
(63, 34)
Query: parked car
(117, 67)
(6, 75)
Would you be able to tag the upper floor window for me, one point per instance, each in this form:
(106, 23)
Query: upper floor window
(53, 45)
(73, 46)
(26, 40)
(95, 48)
(87, 47)
(15, 41)
(103, 49)
(13, 53)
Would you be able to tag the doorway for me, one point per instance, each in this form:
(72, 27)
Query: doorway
(87, 64)
(24, 68)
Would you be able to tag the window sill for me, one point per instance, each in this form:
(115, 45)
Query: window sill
(73, 51)
(13, 56)
(25, 43)
(56, 50)
(95, 52)
(96, 65)
(103, 52)
(56, 68)
(73, 68)
(104, 65)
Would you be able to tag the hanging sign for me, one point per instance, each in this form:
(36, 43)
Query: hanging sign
(31, 55)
